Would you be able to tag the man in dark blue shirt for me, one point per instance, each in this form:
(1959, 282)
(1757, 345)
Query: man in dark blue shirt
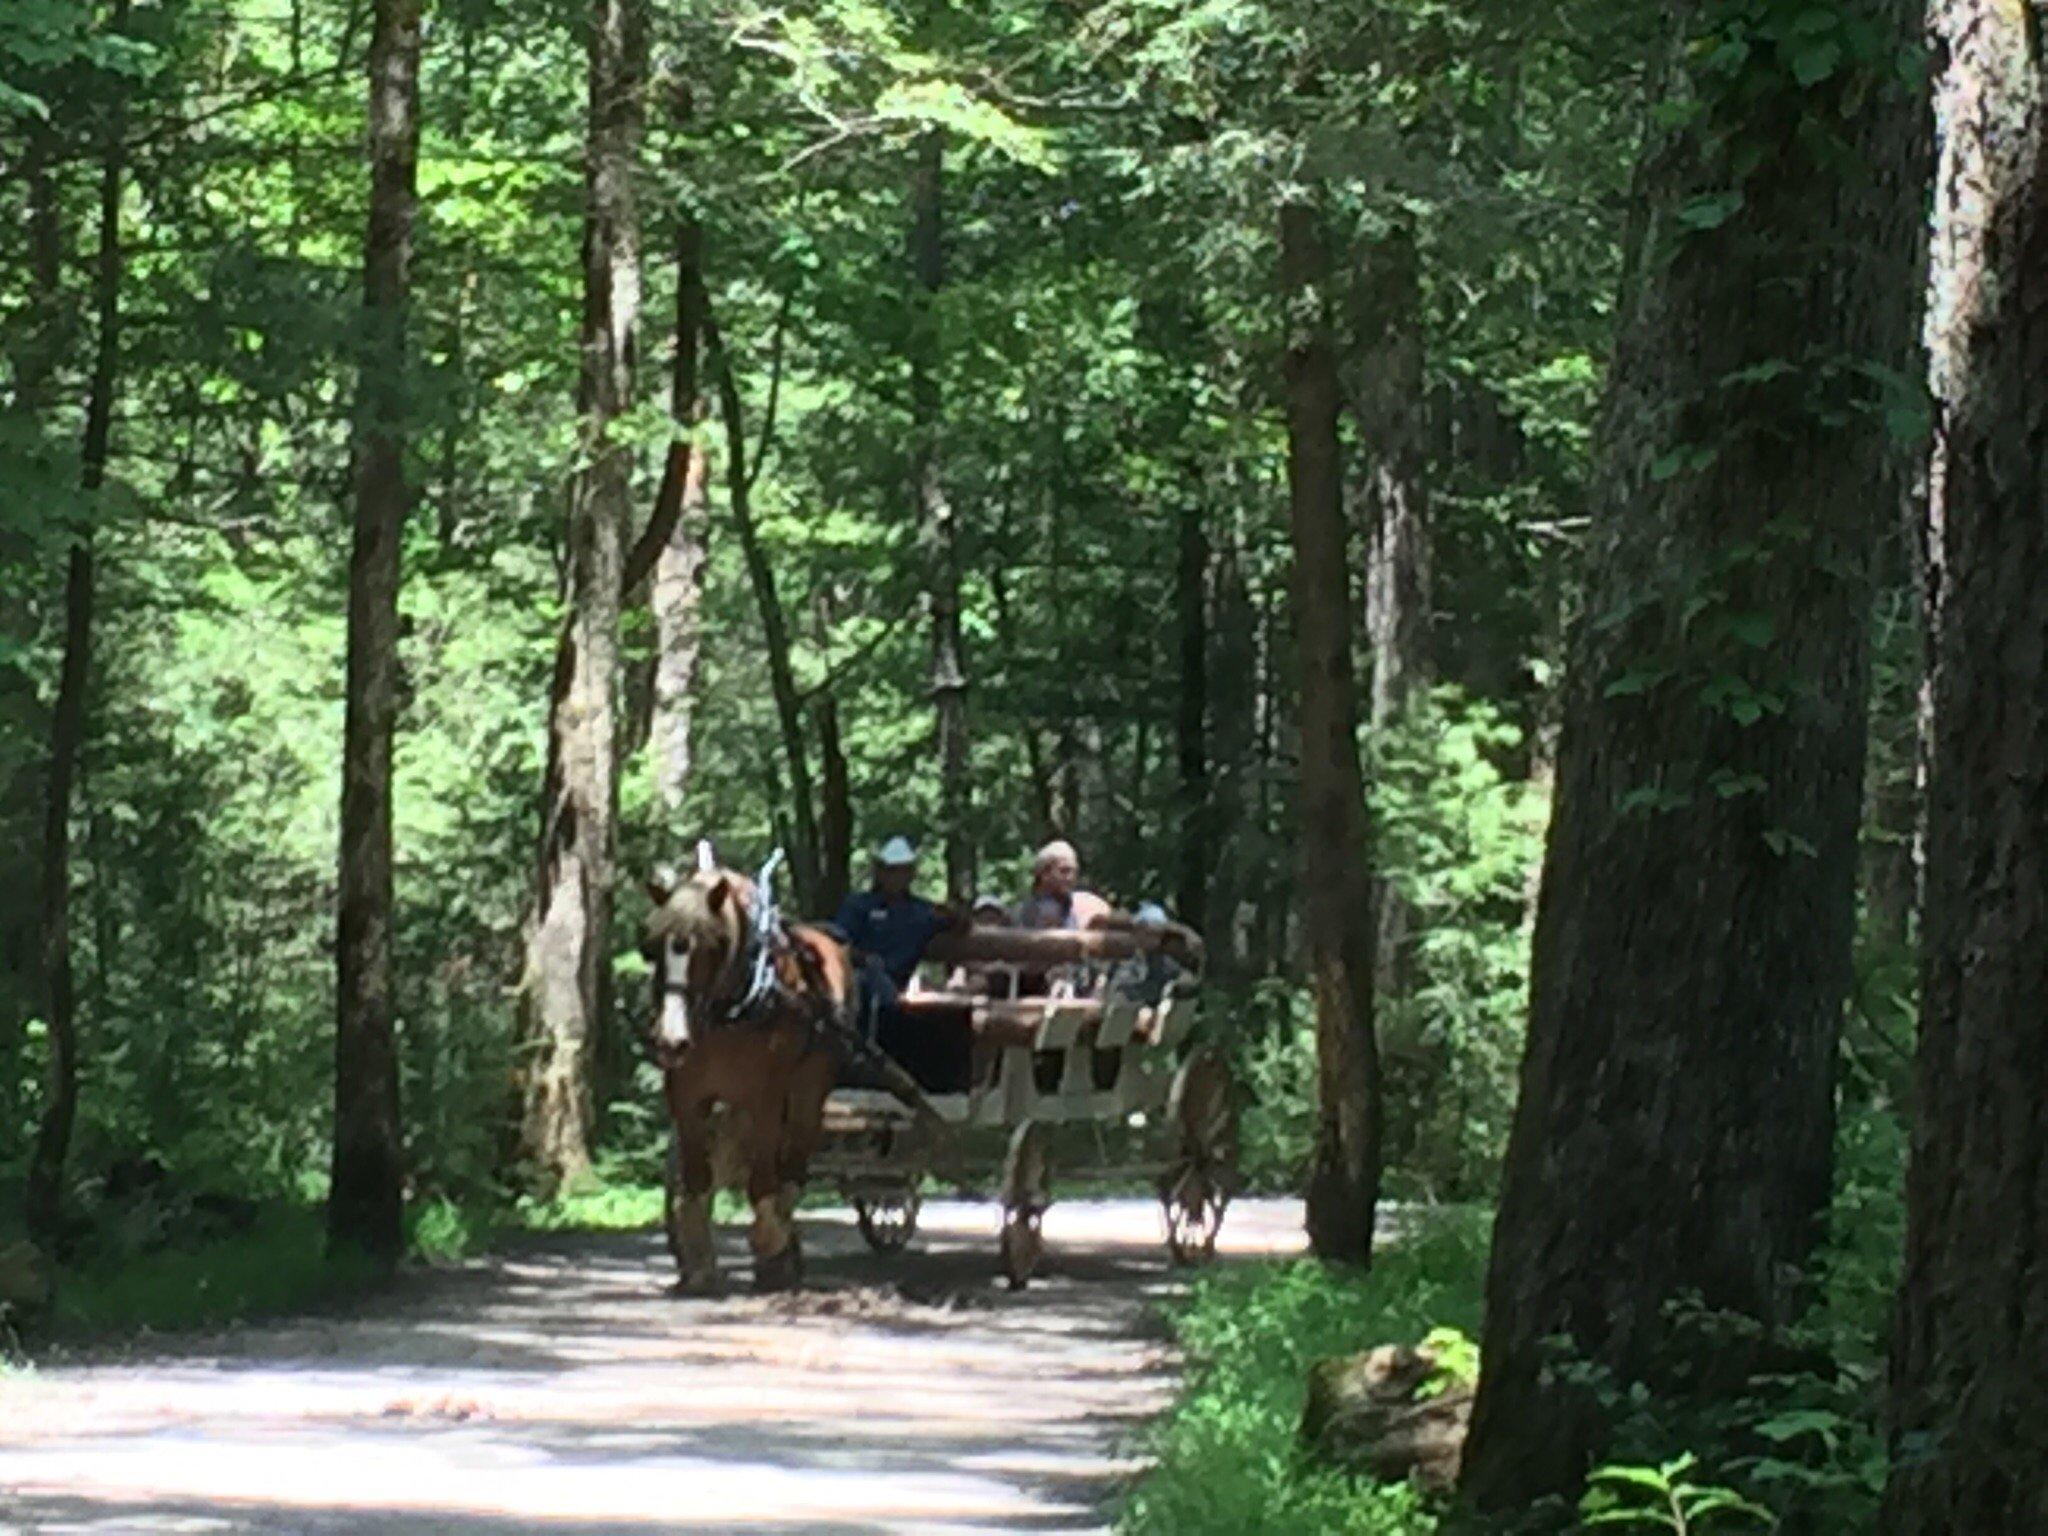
(889, 926)
(888, 922)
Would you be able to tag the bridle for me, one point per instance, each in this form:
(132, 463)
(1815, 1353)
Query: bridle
(749, 985)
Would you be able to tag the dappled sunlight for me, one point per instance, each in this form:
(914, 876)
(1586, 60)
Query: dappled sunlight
(564, 1386)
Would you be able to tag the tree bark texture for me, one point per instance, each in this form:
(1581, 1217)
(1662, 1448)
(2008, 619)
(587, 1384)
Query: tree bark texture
(45, 1192)
(24, 718)
(1892, 778)
(679, 569)
(835, 819)
(1387, 399)
(565, 993)
(938, 525)
(1969, 1401)
(789, 716)
(1674, 1132)
(1343, 1187)
(365, 1195)
(1197, 851)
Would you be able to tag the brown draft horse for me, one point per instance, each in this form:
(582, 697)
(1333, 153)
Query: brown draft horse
(763, 1040)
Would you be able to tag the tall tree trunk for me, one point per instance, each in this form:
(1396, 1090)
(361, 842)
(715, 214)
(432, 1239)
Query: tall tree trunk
(679, 570)
(364, 1199)
(1343, 1187)
(1388, 401)
(1969, 1401)
(835, 790)
(1892, 780)
(45, 1194)
(1197, 852)
(774, 626)
(1692, 949)
(938, 527)
(1233, 751)
(24, 721)
(1387, 398)
(565, 993)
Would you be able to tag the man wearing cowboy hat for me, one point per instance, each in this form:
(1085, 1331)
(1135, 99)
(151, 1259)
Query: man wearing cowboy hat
(889, 926)
(890, 923)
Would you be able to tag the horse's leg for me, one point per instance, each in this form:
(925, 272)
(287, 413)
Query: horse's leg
(690, 1221)
(778, 1256)
(803, 1125)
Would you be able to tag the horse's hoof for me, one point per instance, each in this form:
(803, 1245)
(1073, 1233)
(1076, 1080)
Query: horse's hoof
(782, 1271)
(706, 1284)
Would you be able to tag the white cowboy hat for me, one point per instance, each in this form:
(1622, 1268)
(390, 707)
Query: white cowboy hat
(895, 853)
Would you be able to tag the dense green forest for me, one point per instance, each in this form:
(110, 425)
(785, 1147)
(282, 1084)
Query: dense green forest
(1525, 526)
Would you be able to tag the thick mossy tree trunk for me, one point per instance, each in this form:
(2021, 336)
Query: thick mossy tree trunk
(564, 994)
(364, 1199)
(1969, 1399)
(1343, 1186)
(1674, 1132)
(45, 1194)
(937, 524)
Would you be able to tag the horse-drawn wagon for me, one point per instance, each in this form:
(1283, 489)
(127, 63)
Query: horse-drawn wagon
(1102, 1043)
(755, 1019)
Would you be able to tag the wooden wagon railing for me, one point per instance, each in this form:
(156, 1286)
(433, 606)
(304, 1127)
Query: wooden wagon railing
(1100, 1045)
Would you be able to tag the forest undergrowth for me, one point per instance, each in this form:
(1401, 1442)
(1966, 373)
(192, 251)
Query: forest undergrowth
(1793, 1446)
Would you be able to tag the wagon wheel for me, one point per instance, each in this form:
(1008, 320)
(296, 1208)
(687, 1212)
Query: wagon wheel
(1202, 1174)
(888, 1219)
(1027, 1191)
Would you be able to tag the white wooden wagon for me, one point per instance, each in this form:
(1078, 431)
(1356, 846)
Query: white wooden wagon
(1103, 1043)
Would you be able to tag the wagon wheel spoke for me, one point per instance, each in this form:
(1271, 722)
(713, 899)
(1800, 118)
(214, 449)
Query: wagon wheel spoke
(888, 1219)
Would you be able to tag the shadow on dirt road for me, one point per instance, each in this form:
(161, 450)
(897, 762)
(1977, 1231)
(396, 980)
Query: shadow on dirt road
(561, 1387)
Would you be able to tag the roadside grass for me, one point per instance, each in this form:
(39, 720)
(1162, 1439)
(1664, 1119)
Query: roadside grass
(1228, 1460)
(278, 1264)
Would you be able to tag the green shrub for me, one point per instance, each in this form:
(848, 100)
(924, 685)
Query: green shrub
(1229, 1461)
(1459, 841)
(442, 1231)
(278, 1265)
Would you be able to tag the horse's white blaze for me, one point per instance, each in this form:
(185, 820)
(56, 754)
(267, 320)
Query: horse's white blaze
(674, 1029)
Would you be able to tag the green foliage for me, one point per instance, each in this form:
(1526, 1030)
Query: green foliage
(1229, 1459)
(1457, 1362)
(442, 1231)
(1795, 1439)
(605, 1207)
(1105, 370)
(1460, 840)
(1276, 1064)
(1662, 1498)
(278, 1265)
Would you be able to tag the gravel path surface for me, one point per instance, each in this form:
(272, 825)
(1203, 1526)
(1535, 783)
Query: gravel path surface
(563, 1388)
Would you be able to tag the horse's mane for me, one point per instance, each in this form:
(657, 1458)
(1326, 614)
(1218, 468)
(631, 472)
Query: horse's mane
(711, 906)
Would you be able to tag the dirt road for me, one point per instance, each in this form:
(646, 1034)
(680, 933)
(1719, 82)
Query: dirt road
(562, 1388)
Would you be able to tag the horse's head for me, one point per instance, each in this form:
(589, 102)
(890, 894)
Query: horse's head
(696, 943)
